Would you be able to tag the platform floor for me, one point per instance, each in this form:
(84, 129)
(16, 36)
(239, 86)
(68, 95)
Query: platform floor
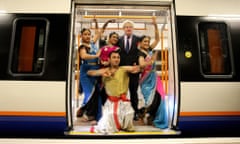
(233, 140)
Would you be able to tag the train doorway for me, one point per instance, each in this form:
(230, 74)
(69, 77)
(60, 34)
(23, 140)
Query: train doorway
(142, 17)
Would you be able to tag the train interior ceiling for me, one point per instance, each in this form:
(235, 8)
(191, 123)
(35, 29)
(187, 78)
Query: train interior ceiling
(142, 18)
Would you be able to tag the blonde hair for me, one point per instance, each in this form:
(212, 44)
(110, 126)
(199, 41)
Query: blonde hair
(128, 21)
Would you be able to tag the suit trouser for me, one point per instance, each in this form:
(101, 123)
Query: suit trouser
(133, 86)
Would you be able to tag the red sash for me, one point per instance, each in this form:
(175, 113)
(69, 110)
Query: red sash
(115, 107)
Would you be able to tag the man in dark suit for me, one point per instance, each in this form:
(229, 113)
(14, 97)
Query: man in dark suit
(129, 56)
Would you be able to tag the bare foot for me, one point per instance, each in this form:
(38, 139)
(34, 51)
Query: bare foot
(83, 119)
(93, 122)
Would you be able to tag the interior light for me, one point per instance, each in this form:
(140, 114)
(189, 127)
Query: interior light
(3, 11)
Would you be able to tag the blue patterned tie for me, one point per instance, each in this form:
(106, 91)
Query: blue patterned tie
(127, 45)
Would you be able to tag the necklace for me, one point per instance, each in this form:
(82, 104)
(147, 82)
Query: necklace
(112, 71)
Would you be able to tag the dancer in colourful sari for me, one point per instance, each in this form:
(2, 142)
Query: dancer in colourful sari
(117, 112)
(89, 53)
(150, 83)
(110, 46)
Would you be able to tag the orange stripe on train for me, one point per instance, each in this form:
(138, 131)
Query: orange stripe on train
(212, 113)
(25, 113)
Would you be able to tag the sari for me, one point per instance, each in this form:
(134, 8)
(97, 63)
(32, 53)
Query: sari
(152, 88)
(91, 104)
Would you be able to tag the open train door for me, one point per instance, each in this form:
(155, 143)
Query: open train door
(141, 13)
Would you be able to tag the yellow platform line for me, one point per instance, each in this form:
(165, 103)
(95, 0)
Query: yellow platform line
(172, 132)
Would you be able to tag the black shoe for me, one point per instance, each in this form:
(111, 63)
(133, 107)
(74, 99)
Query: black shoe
(142, 112)
(136, 117)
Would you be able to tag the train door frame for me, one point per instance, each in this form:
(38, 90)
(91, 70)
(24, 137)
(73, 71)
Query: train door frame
(174, 87)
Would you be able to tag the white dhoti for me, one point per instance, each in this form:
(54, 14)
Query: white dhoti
(117, 115)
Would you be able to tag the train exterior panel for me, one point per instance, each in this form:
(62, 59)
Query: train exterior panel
(34, 100)
(209, 97)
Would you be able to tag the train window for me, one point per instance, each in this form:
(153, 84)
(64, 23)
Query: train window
(215, 50)
(28, 47)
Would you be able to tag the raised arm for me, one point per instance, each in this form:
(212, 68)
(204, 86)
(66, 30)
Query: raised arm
(105, 25)
(157, 39)
(98, 32)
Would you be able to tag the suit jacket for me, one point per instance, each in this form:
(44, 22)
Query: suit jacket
(132, 56)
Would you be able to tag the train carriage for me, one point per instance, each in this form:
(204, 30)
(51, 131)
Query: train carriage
(197, 63)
